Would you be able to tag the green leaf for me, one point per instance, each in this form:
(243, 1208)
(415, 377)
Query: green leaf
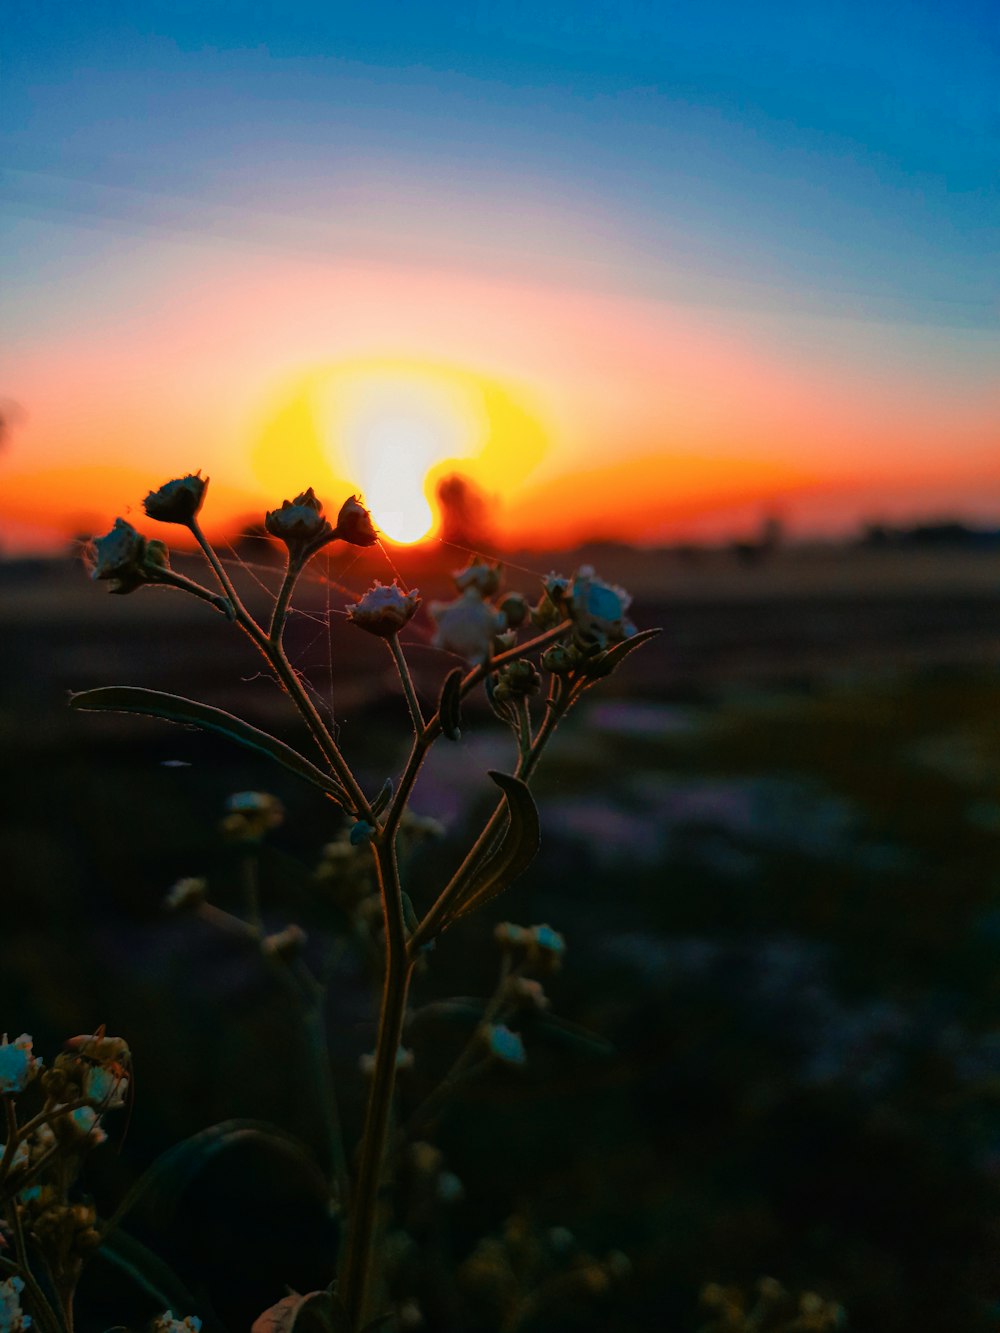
(189, 712)
(449, 705)
(613, 658)
(160, 1188)
(156, 1279)
(514, 853)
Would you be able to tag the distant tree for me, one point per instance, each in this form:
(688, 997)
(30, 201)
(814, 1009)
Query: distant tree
(465, 516)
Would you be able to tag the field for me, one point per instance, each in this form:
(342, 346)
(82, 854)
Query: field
(771, 844)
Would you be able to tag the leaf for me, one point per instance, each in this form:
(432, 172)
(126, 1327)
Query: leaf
(613, 658)
(156, 1279)
(322, 1312)
(449, 705)
(571, 1036)
(189, 712)
(316, 1312)
(160, 1188)
(514, 853)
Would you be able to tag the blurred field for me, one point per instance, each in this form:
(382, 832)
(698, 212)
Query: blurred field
(772, 844)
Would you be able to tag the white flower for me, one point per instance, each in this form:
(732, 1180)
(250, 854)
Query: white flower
(12, 1317)
(467, 626)
(166, 1323)
(384, 609)
(17, 1064)
(598, 609)
(105, 1087)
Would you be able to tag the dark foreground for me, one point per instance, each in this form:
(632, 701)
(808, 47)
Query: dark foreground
(772, 846)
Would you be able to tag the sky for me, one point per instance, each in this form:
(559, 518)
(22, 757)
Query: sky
(640, 270)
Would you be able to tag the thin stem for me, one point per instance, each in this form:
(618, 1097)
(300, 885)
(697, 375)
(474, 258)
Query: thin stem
(406, 679)
(426, 738)
(225, 582)
(314, 1023)
(47, 1317)
(12, 1140)
(460, 1071)
(358, 1261)
(519, 650)
(250, 874)
(292, 571)
(437, 916)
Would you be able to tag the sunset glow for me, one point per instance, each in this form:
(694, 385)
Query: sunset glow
(631, 292)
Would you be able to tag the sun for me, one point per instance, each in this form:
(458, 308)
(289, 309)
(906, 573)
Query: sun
(393, 432)
(391, 429)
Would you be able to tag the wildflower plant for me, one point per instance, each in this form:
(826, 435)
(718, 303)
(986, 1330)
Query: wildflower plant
(534, 661)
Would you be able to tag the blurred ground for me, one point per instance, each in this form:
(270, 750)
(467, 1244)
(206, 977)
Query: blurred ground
(771, 843)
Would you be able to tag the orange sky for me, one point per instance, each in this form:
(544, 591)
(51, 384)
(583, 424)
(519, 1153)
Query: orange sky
(579, 411)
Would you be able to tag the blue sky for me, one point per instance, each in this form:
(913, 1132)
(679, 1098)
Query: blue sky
(823, 176)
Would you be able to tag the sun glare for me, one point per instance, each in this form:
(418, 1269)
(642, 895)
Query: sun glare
(391, 429)
(394, 430)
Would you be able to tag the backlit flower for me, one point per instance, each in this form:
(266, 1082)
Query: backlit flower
(354, 524)
(177, 501)
(300, 523)
(598, 610)
(467, 626)
(125, 558)
(384, 609)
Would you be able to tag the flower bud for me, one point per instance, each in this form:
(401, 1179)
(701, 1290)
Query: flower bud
(186, 895)
(519, 679)
(354, 524)
(285, 944)
(384, 610)
(126, 559)
(251, 814)
(504, 1044)
(177, 501)
(300, 524)
(478, 574)
(545, 948)
(509, 936)
(560, 659)
(515, 609)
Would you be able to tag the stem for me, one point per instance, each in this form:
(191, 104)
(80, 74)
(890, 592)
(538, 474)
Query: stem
(12, 1140)
(358, 1261)
(314, 1023)
(225, 582)
(47, 1317)
(437, 916)
(416, 717)
(292, 571)
(426, 738)
(250, 874)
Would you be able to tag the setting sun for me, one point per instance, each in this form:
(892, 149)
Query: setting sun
(392, 429)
